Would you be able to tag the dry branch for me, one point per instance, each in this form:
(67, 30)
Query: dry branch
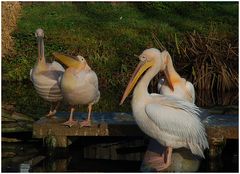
(210, 62)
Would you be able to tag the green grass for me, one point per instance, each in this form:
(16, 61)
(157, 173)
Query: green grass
(109, 35)
(27, 101)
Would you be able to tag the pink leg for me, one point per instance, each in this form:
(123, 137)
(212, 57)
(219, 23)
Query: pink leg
(52, 113)
(87, 122)
(158, 161)
(70, 121)
(168, 157)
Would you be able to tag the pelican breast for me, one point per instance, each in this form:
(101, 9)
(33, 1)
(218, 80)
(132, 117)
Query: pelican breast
(80, 87)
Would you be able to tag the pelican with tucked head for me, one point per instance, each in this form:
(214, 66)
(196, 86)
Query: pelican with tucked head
(79, 86)
(45, 76)
(173, 122)
(174, 84)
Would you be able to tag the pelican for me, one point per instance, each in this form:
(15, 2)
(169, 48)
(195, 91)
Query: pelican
(45, 76)
(175, 85)
(79, 86)
(173, 122)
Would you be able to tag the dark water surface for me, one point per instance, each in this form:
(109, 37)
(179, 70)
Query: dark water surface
(98, 154)
(93, 154)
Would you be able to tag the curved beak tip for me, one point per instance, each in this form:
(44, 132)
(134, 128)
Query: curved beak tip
(121, 102)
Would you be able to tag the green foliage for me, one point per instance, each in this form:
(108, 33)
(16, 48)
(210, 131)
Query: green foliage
(110, 35)
(24, 98)
(189, 16)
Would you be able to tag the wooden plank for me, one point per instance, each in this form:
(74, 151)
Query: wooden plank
(123, 124)
(56, 129)
(104, 124)
(222, 126)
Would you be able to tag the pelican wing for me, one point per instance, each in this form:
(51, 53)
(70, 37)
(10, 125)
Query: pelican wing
(55, 71)
(190, 91)
(55, 66)
(92, 79)
(179, 118)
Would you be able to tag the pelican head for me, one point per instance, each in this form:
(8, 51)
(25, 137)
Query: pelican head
(150, 58)
(77, 62)
(40, 35)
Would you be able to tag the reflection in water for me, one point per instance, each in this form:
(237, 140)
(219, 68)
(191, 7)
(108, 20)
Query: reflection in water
(100, 154)
(182, 160)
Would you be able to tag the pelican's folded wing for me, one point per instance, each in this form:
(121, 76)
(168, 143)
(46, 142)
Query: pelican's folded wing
(179, 118)
(92, 79)
(55, 66)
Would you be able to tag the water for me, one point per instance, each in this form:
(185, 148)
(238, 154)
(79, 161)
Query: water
(98, 154)
(83, 156)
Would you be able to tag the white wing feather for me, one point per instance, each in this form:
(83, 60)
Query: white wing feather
(181, 119)
(92, 78)
(55, 66)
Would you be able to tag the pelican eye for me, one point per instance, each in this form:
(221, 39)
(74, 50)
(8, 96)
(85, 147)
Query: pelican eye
(80, 58)
(143, 58)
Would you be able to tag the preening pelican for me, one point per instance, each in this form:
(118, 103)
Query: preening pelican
(45, 76)
(79, 86)
(173, 122)
(172, 85)
(175, 85)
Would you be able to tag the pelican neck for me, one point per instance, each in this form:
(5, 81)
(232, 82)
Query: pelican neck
(142, 85)
(171, 70)
(41, 45)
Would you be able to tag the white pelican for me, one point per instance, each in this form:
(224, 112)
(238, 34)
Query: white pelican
(79, 86)
(175, 85)
(44, 76)
(173, 122)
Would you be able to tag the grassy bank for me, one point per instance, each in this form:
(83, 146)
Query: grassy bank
(108, 35)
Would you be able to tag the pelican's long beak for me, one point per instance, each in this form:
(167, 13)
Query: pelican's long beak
(67, 60)
(140, 69)
(170, 83)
